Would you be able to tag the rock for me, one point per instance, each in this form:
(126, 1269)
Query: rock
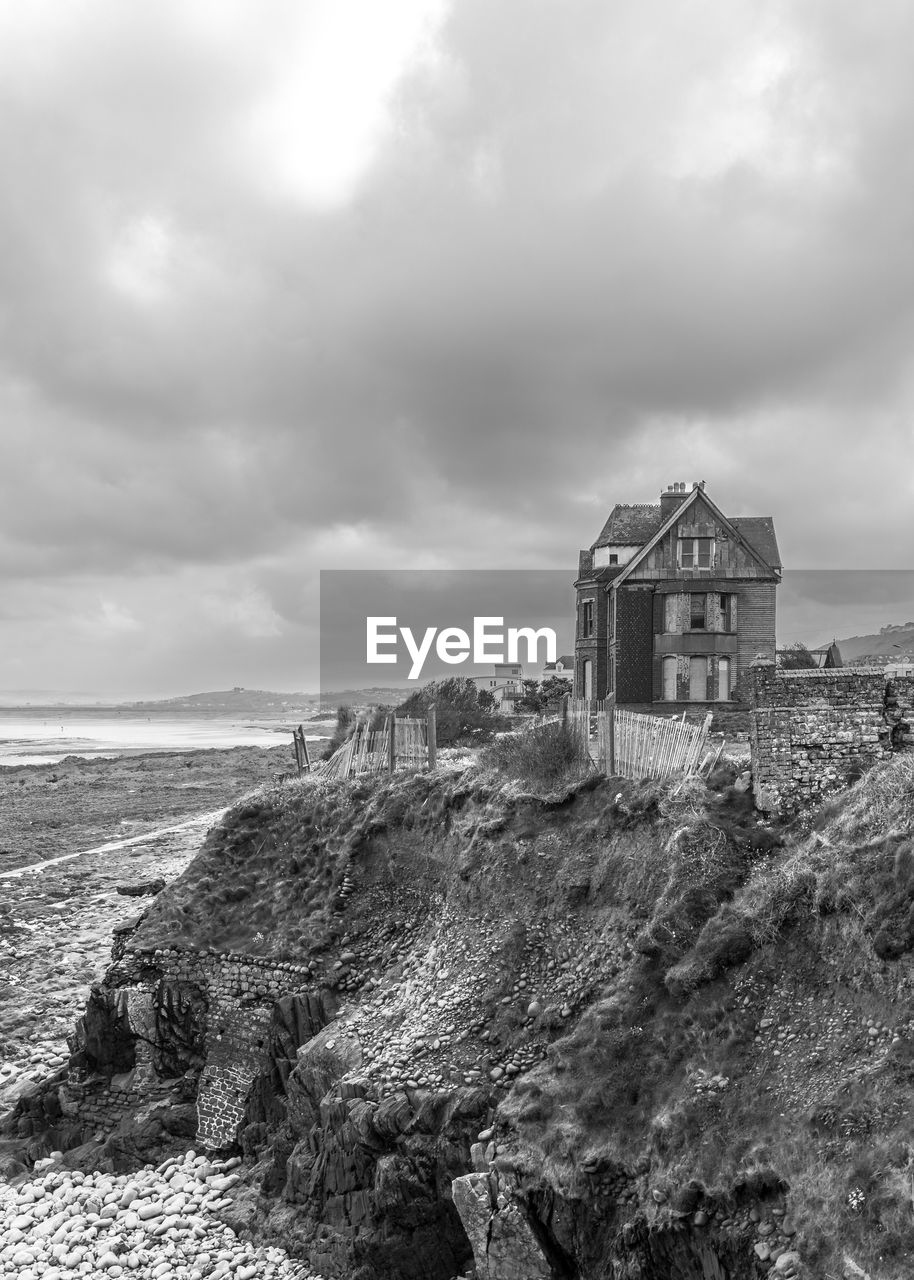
(142, 889)
(787, 1263)
(504, 1245)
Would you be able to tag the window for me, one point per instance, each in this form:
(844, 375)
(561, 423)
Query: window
(587, 618)
(671, 613)
(727, 611)
(723, 680)
(696, 553)
(613, 557)
(670, 668)
(587, 674)
(698, 612)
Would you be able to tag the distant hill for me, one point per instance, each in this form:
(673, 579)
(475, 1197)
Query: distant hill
(234, 701)
(891, 641)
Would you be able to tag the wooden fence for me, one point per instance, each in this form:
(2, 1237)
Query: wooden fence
(629, 744)
(400, 744)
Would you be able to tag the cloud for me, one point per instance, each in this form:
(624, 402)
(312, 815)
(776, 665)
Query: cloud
(436, 285)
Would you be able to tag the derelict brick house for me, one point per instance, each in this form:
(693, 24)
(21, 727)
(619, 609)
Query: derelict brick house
(674, 601)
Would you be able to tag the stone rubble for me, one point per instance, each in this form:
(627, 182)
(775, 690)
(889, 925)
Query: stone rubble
(155, 1224)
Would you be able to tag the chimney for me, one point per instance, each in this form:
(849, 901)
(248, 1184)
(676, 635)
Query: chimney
(672, 499)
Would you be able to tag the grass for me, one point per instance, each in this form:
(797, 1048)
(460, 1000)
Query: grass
(547, 757)
(857, 859)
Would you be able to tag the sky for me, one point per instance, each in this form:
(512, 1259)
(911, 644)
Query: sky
(291, 285)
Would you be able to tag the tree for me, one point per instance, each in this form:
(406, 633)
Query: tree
(796, 657)
(345, 723)
(532, 698)
(460, 711)
(554, 689)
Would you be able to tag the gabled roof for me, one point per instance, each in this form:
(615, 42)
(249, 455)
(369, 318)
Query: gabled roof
(732, 524)
(565, 659)
(630, 525)
(759, 533)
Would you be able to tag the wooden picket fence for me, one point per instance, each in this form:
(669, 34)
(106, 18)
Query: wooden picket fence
(647, 746)
(413, 746)
(629, 744)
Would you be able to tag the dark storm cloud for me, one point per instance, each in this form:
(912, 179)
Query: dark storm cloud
(597, 249)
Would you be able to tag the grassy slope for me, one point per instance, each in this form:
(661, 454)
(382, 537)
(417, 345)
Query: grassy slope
(787, 995)
(740, 1002)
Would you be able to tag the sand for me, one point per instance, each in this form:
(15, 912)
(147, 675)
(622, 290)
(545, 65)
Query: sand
(129, 821)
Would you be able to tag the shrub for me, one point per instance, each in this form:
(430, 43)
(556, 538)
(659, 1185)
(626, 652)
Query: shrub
(796, 658)
(543, 757)
(461, 713)
(345, 723)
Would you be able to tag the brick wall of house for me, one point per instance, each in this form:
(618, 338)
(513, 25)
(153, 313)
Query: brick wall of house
(812, 730)
(634, 645)
(594, 647)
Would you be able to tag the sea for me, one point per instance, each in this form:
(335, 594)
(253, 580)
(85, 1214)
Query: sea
(32, 739)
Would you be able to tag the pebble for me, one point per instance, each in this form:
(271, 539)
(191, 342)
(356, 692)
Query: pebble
(64, 1224)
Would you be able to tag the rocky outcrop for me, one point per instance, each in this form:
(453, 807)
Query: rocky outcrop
(504, 1244)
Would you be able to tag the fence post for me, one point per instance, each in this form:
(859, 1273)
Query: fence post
(304, 747)
(295, 733)
(392, 743)
(610, 713)
(564, 711)
(431, 733)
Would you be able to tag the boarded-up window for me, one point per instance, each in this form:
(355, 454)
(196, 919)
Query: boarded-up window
(670, 668)
(671, 613)
(723, 680)
(698, 679)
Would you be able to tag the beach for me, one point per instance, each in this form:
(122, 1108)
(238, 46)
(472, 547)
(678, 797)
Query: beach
(128, 821)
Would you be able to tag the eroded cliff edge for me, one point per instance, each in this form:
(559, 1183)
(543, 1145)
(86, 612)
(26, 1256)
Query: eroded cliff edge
(624, 1031)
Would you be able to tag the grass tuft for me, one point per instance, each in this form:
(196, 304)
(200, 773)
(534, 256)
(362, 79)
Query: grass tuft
(546, 757)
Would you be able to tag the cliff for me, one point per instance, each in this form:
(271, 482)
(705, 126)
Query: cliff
(627, 1031)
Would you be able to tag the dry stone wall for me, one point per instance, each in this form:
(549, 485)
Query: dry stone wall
(241, 994)
(812, 731)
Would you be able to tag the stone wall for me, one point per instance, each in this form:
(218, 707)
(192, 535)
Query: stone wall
(241, 996)
(811, 732)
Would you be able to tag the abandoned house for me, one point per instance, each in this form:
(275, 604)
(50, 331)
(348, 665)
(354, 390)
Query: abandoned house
(674, 601)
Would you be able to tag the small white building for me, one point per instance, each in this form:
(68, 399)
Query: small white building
(505, 684)
(561, 669)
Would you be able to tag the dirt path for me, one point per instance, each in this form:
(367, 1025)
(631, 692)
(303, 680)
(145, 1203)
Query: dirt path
(203, 819)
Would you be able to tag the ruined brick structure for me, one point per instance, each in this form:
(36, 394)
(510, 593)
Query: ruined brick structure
(674, 600)
(226, 1013)
(812, 731)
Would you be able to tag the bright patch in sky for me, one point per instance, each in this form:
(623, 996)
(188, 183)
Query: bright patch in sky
(140, 259)
(316, 133)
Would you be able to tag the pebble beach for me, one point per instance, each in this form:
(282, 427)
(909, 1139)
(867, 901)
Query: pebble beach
(75, 837)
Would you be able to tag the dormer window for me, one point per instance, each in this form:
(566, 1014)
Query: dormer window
(696, 553)
(613, 557)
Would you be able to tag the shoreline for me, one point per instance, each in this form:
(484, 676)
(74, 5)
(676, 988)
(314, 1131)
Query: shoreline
(70, 834)
(51, 809)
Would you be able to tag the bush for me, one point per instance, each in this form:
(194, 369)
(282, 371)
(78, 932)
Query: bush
(796, 658)
(345, 723)
(544, 757)
(461, 714)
